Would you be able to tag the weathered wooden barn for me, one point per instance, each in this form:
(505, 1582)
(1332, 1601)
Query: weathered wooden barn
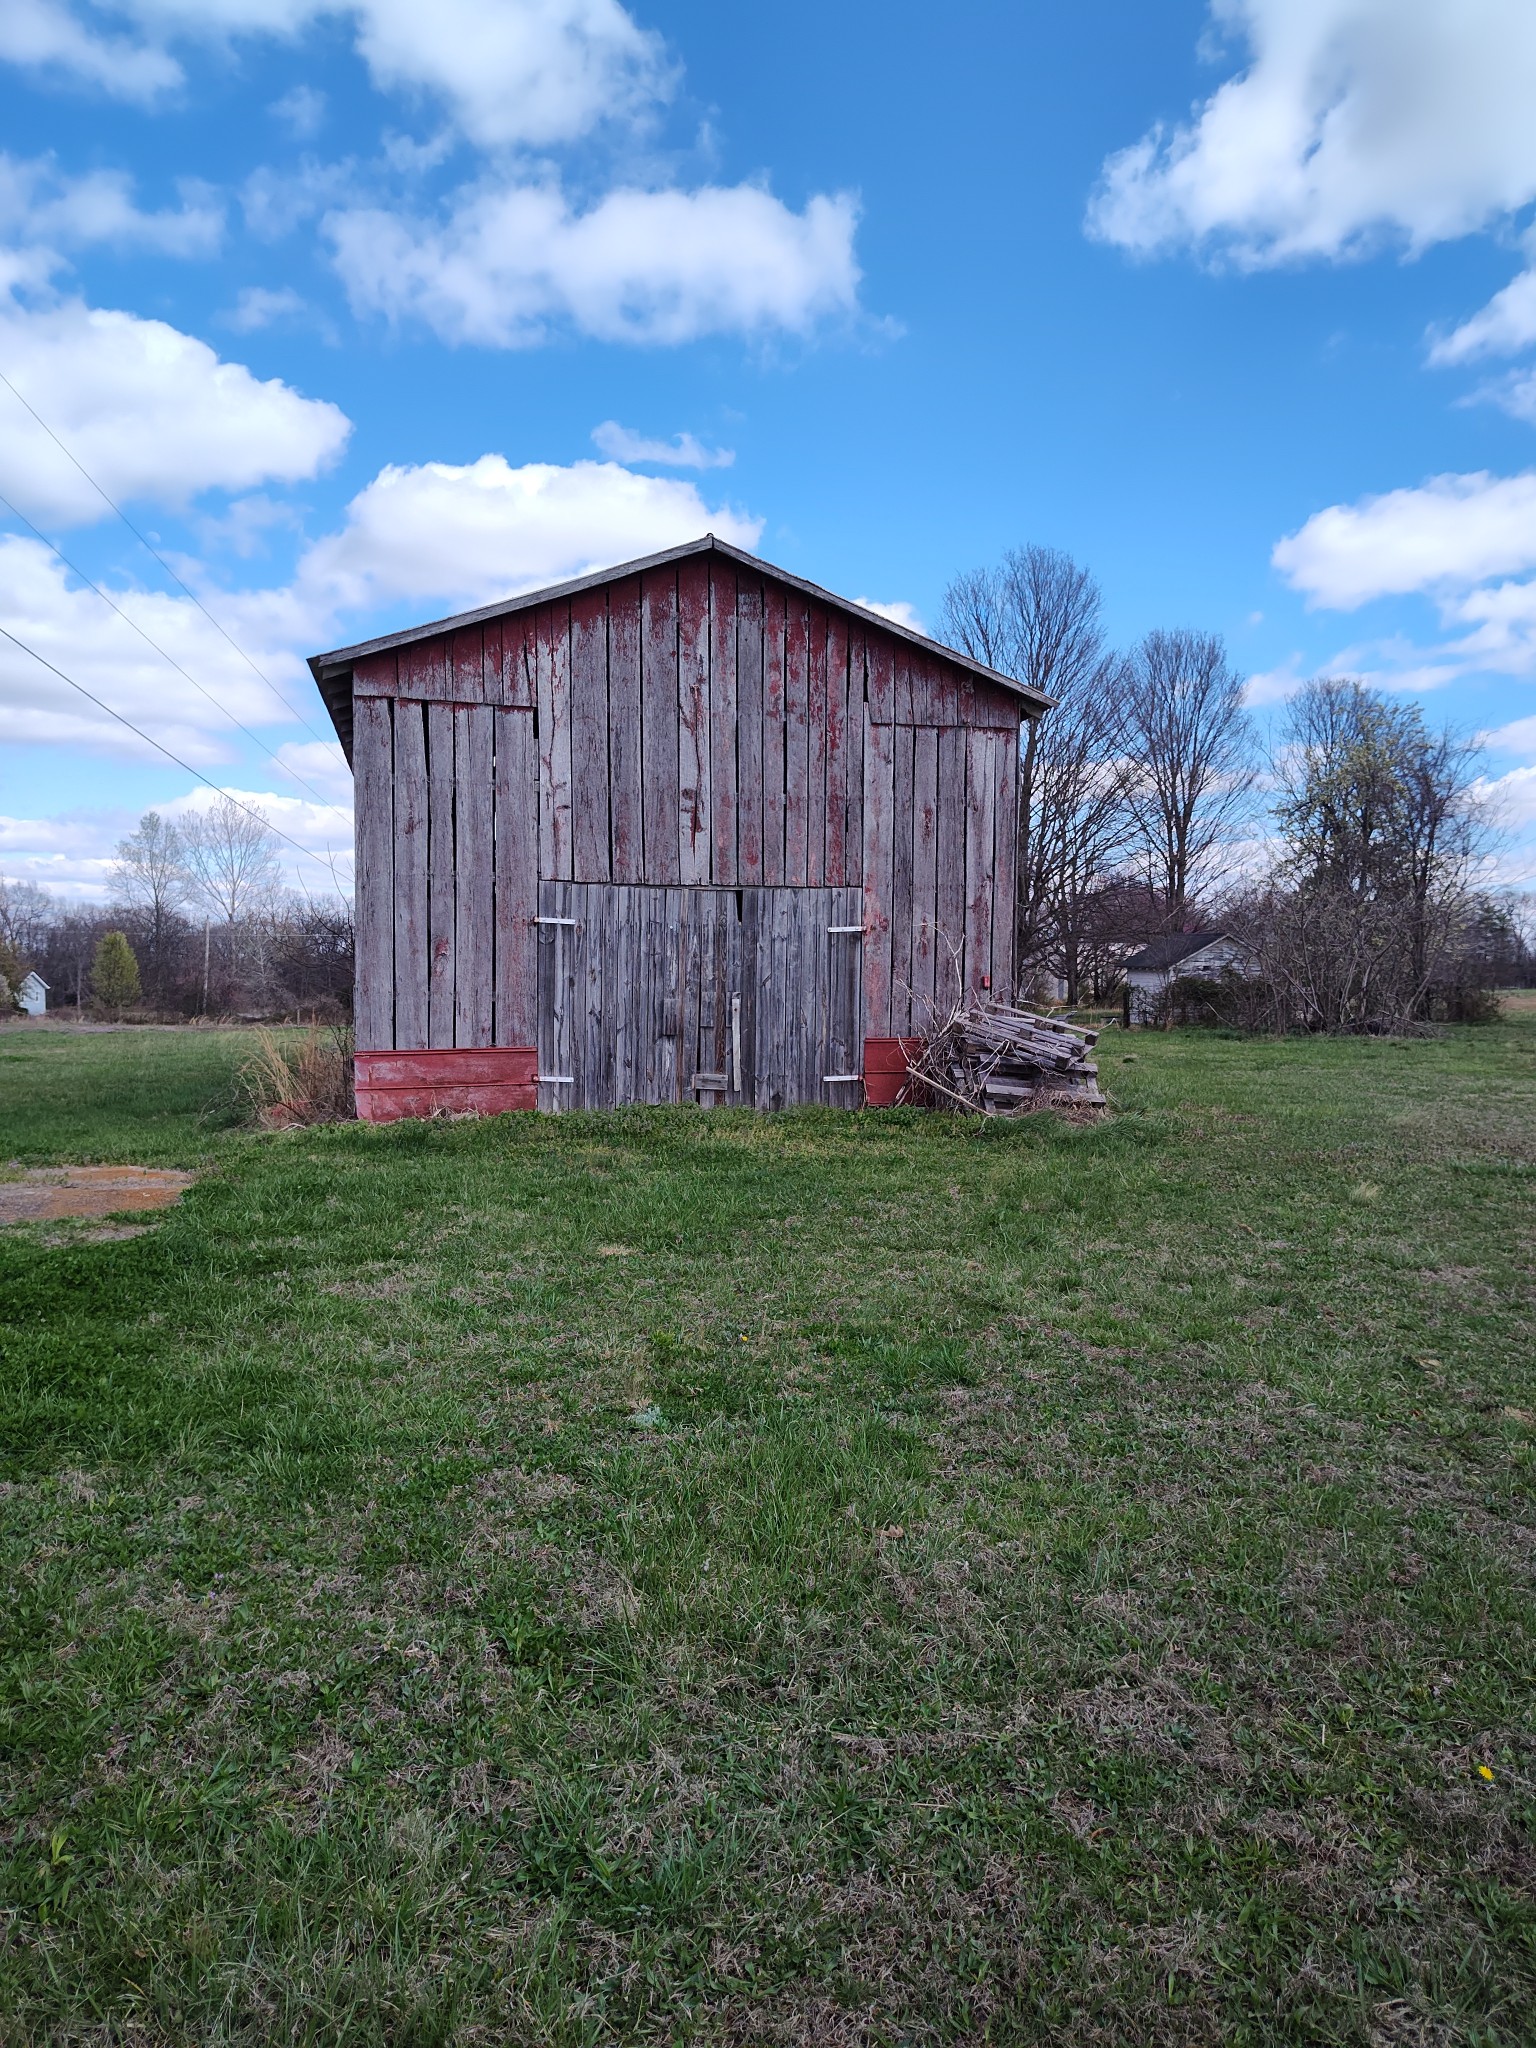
(691, 829)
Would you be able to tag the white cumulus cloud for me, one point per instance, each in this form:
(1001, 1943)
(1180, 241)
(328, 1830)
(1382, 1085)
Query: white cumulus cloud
(42, 206)
(511, 262)
(152, 413)
(1504, 327)
(73, 629)
(1350, 120)
(467, 534)
(1466, 542)
(1452, 530)
(683, 451)
(510, 72)
(47, 36)
(422, 541)
(898, 611)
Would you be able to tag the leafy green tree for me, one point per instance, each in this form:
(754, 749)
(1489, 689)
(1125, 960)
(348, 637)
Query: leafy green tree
(114, 975)
(12, 973)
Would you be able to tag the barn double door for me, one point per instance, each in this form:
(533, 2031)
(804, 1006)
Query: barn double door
(740, 996)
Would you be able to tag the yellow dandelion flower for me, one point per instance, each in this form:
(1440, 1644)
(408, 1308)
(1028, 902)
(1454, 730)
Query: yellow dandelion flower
(1484, 1772)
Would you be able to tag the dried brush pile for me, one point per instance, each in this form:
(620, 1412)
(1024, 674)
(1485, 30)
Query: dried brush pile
(995, 1060)
(299, 1080)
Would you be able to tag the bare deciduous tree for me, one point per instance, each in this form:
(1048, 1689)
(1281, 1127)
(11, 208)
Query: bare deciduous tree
(26, 913)
(1189, 759)
(150, 882)
(230, 855)
(1036, 617)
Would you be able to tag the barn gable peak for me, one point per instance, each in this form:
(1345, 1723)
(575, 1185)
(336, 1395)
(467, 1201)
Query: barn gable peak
(332, 672)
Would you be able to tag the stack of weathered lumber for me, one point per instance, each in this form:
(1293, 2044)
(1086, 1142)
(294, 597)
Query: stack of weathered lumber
(997, 1060)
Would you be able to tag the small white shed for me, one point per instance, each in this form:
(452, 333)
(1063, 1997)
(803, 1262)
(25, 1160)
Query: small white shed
(1176, 956)
(33, 994)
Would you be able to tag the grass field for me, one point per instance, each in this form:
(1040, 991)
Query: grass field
(678, 1577)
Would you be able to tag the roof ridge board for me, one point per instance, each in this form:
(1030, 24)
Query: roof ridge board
(346, 657)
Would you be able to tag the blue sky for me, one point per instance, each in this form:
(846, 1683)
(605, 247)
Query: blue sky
(1233, 302)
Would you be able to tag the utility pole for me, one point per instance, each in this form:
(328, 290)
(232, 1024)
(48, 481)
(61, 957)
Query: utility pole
(207, 925)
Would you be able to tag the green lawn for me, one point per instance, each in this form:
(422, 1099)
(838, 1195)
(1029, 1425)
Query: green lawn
(817, 1579)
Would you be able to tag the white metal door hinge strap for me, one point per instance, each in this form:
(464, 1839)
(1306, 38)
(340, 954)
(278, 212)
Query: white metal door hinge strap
(556, 1080)
(842, 1077)
(555, 920)
(847, 928)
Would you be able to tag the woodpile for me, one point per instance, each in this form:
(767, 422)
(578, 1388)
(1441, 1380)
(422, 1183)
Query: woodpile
(996, 1060)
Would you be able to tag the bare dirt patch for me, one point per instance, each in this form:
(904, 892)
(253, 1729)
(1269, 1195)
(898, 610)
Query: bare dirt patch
(48, 1194)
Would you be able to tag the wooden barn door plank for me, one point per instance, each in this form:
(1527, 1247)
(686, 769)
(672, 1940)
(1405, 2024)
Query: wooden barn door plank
(879, 866)
(845, 980)
(693, 937)
(411, 921)
(980, 815)
(591, 1026)
(373, 781)
(695, 823)
(722, 720)
(669, 1079)
(808, 1024)
(552, 651)
(742, 1022)
(474, 875)
(773, 734)
(749, 732)
(517, 878)
(561, 972)
(925, 873)
(440, 906)
(589, 737)
(658, 711)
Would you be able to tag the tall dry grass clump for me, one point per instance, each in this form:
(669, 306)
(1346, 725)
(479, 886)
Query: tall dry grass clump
(303, 1079)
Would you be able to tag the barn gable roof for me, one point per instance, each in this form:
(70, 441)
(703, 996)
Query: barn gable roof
(332, 672)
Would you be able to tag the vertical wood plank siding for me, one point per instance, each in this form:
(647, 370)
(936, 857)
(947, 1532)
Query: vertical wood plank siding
(797, 689)
(654, 746)
(749, 732)
(658, 719)
(879, 872)
(474, 924)
(552, 650)
(693, 723)
(440, 857)
(411, 813)
(517, 877)
(771, 772)
(627, 845)
(373, 790)
(590, 830)
(723, 721)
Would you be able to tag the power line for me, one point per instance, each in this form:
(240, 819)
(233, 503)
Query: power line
(147, 545)
(76, 570)
(329, 864)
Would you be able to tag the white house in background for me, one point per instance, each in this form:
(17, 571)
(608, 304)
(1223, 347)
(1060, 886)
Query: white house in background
(1200, 956)
(33, 994)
